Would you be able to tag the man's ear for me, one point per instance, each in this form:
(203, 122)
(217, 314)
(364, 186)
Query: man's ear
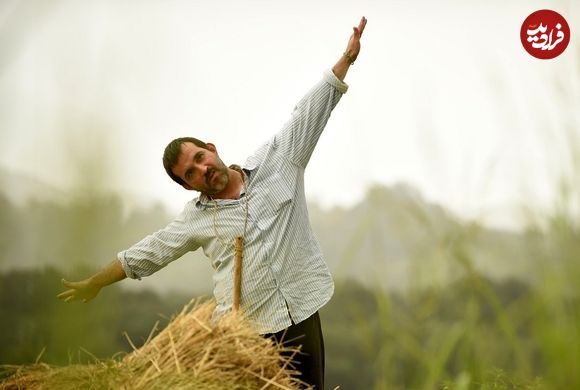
(211, 147)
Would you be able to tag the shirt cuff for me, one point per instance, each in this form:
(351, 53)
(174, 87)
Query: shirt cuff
(331, 79)
(128, 271)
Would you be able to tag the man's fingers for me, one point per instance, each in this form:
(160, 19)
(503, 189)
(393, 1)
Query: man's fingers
(73, 285)
(361, 27)
(66, 283)
(66, 295)
(71, 293)
(362, 24)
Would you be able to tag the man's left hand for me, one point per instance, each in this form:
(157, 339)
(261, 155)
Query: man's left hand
(353, 47)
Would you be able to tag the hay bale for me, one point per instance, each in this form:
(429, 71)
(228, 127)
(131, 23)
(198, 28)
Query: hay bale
(190, 353)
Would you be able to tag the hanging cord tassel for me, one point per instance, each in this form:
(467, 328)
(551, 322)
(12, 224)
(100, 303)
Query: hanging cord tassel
(238, 255)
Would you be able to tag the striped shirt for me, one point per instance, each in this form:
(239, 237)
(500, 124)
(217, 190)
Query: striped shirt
(284, 275)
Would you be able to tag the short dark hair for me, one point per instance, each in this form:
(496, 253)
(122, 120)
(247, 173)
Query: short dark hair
(172, 153)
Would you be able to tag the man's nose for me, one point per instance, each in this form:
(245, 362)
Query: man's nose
(202, 169)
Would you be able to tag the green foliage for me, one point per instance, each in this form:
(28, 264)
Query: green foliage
(484, 334)
(475, 332)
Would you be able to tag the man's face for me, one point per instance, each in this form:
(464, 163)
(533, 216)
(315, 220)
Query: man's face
(201, 169)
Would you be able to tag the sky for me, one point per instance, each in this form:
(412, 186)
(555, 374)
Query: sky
(443, 96)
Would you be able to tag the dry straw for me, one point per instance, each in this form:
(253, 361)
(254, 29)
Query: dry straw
(192, 352)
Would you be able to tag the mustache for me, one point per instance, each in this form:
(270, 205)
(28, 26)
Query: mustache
(208, 174)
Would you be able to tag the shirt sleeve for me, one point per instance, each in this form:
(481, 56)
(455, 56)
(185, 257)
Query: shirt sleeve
(300, 134)
(158, 249)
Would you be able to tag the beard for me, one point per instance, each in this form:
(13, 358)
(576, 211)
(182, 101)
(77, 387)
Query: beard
(216, 179)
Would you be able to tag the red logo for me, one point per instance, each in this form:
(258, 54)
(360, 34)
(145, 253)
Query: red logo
(545, 34)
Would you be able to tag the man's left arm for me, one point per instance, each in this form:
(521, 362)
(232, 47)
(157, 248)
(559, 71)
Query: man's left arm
(300, 134)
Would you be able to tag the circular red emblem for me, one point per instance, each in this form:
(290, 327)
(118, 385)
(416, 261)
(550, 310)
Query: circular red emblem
(545, 34)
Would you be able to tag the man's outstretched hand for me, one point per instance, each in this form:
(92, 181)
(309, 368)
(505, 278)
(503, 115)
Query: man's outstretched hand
(83, 290)
(351, 52)
(87, 289)
(353, 47)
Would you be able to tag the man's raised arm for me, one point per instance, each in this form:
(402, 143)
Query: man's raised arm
(351, 52)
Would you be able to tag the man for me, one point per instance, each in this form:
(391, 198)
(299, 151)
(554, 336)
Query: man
(285, 279)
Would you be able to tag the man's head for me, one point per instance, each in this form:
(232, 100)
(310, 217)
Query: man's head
(195, 165)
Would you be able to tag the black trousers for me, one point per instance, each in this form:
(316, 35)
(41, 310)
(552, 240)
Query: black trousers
(310, 360)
